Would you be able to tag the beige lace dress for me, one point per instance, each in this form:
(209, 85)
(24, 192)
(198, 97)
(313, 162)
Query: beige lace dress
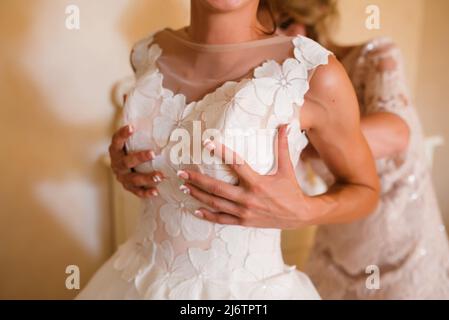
(405, 237)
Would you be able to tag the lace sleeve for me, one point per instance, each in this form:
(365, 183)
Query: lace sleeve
(384, 89)
(385, 85)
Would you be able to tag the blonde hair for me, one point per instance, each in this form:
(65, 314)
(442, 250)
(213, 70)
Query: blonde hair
(318, 16)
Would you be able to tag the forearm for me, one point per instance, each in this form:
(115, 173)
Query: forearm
(386, 133)
(337, 137)
(355, 192)
(342, 203)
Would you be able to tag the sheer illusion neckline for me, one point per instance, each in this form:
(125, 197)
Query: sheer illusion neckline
(229, 46)
(216, 48)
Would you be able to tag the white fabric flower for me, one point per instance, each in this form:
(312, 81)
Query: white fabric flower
(310, 53)
(281, 86)
(281, 286)
(233, 105)
(259, 277)
(178, 218)
(150, 85)
(153, 54)
(173, 114)
(135, 256)
(242, 242)
(178, 208)
(148, 224)
(211, 275)
(219, 171)
(168, 272)
(236, 240)
(140, 108)
(142, 104)
(144, 56)
(297, 141)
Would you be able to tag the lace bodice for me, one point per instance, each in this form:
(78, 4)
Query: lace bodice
(173, 254)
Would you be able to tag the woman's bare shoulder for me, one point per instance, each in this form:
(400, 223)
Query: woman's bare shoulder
(329, 82)
(331, 93)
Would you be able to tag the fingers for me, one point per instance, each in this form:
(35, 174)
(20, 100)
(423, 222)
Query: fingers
(142, 193)
(217, 217)
(135, 159)
(212, 201)
(212, 186)
(142, 185)
(140, 180)
(122, 164)
(231, 158)
(284, 164)
(119, 139)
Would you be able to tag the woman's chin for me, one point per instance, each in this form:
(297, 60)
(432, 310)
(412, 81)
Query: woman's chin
(226, 5)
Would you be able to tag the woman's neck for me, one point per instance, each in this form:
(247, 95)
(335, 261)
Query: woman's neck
(212, 27)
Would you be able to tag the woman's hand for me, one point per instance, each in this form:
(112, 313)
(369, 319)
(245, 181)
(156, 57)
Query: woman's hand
(332, 121)
(272, 201)
(122, 164)
(387, 135)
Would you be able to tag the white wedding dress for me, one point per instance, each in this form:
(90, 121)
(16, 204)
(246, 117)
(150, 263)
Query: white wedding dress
(173, 254)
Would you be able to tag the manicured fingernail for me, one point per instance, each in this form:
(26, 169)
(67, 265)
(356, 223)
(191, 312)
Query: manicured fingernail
(183, 175)
(198, 214)
(154, 193)
(157, 179)
(130, 129)
(151, 154)
(289, 128)
(209, 145)
(184, 189)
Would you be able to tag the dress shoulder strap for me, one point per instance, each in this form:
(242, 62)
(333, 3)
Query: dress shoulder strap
(144, 55)
(310, 53)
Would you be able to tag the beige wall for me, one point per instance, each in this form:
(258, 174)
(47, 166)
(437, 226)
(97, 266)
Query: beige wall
(56, 118)
(432, 94)
(401, 20)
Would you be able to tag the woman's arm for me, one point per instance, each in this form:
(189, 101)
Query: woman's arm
(387, 134)
(331, 118)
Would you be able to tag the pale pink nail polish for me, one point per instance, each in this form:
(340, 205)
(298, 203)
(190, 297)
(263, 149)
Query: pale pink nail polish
(184, 189)
(209, 145)
(130, 129)
(154, 193)
(182, 174)
(199, 214)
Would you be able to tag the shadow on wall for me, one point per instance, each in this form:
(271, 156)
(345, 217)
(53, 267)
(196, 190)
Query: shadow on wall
(47, 182)
(54, 191)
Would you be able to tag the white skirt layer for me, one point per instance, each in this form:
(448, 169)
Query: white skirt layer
(107, 284)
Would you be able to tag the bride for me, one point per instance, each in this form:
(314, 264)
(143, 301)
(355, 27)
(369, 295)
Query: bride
(212, 230)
